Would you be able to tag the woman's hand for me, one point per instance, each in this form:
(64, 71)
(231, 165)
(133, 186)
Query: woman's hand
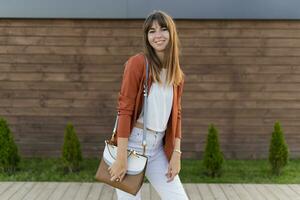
(174, 166)
(118, 170)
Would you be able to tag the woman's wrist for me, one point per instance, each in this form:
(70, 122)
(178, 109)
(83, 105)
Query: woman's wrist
(122, 155)
(177, 151)
(122, 148)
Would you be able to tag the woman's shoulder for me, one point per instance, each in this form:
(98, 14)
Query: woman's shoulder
(135, 65)
(136, 61)
(138, 56)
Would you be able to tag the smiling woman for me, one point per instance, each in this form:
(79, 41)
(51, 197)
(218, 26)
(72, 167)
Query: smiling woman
(162, 111)
(161, 45)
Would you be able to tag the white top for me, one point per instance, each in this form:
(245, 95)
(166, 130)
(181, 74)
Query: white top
(160, 99)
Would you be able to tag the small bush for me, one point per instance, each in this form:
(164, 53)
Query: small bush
(71, 152)
(213, 157)
(278, 151)
(9, 156)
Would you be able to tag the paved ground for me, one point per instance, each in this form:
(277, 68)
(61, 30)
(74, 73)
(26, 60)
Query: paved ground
(99, 191)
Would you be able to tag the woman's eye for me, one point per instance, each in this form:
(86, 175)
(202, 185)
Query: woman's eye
(163, 29)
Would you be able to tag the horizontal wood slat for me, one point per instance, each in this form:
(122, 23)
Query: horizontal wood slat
(113, 42)
(207, 51)
(113, 77)
(31, 95)
(137, 32)
(242, 76)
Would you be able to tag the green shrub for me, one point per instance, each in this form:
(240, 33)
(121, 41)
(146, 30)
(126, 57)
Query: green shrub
(278, 151)
(213, 157)
(9, 156)
(71, 152)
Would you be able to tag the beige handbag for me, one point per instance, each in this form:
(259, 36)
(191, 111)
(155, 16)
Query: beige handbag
(137, 163)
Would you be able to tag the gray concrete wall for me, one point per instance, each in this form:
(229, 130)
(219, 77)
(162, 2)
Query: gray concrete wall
(137, 9)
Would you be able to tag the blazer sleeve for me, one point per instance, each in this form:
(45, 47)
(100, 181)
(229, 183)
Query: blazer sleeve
(178, 128)
(127, 96)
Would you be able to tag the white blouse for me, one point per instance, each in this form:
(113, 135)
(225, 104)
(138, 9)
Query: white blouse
(159, 107)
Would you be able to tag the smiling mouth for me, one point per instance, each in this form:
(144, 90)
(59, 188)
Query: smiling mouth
(159, 42)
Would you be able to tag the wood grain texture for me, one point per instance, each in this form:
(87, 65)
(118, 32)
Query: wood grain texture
(89, 191)
(242, 76)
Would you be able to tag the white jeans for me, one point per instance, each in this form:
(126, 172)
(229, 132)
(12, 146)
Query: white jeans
(157, 167)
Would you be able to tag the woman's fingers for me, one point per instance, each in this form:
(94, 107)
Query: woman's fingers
(172, 177)
(113, 178)
(169, 172)
(110, 172)
(122, 176)
(117, 176)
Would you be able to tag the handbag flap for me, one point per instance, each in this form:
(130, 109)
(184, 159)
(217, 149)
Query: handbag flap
(135, 162)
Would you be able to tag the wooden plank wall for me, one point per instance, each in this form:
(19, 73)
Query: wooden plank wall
(240, 75)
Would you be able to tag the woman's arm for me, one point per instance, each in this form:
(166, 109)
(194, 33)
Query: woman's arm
(174, 164)
(132, 77)
(177, 145)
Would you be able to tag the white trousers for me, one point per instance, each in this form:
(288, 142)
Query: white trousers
(157, 167)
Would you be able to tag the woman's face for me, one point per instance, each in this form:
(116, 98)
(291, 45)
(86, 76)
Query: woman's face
(158, 37)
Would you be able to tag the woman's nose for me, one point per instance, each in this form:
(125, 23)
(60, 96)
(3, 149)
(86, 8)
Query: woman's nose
(158, 34)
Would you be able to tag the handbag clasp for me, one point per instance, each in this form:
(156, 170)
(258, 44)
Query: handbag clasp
(132, 152)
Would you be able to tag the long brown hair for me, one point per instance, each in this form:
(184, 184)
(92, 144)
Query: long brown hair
(171, 54)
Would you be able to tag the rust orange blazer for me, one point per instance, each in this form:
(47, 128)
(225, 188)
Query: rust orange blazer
(130, 102)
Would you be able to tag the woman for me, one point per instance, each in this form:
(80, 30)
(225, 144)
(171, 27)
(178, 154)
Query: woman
(165, 85)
